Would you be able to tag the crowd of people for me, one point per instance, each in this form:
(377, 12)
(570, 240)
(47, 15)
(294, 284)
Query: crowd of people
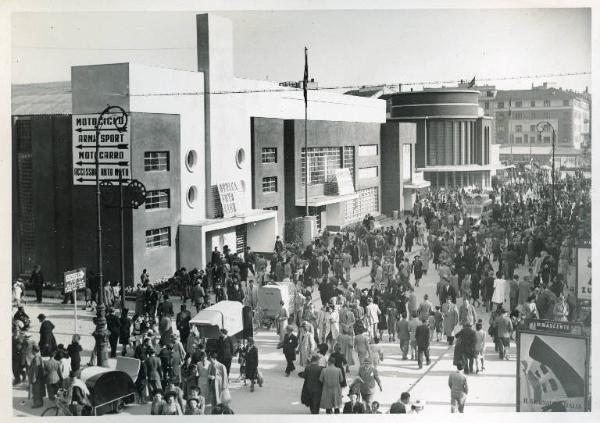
(476, 260)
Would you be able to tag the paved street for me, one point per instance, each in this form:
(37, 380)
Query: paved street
(492, 391)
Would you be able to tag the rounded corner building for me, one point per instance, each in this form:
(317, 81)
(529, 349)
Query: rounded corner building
(454, 145)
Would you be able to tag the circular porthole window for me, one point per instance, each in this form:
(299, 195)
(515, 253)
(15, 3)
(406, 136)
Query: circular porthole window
(240, 157)
(192, 196)
(191, 159)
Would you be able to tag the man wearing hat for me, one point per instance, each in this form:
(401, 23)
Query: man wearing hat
(47, 341)
(353, 406)
(290, 343)
(153, 370)
(114, 326)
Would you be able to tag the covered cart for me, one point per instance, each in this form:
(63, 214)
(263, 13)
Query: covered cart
(269, 302)
(232, 316)
(108, 388)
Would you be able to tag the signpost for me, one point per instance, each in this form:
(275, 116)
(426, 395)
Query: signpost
(552, 326)
(113, 149)
(74, 280)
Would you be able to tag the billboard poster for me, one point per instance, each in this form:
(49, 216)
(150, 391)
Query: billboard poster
(552, 372)
(584, 273)
(541, 325)
(74, 280)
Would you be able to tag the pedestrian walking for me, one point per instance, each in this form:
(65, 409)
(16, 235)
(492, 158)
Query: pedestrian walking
(47, 342)
(331, 396)
(459, 388)
(37, 281)
(312, 387)
(369, 380)
(422, 340)
(290, 343)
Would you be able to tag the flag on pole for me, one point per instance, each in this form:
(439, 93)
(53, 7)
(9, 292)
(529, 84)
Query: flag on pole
(472, 83)
(305, 80)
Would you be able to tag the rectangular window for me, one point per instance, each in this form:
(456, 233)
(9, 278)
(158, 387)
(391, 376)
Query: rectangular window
(546, 115)
(501, 105)
(269, 184)
(156, 161)
(322, 163)
(533, 115)
(368, 150)
(269, 155)
(519, 140)
(158, 199)
(518, 115)
(486, 105)
(367, 172)
(271, 208)
(519, 104)
(526, 139)
(532, 103)
(406, 162)
(546, 103)
(547, 140)
(158, 238)
(518, 128)
(565, 102)
(349, 159)
(367, 202)
(531, 128)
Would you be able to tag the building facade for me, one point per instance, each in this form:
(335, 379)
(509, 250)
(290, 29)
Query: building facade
(196, 152)
(518, 112)
(454, 140)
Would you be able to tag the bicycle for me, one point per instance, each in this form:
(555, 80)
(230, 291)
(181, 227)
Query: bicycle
(61, 408)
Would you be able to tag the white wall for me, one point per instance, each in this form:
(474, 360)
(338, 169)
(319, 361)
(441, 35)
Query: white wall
(261, 235)
(145, 81)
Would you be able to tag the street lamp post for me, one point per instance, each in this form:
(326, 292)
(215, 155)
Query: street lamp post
(541, 127)
(101, 332)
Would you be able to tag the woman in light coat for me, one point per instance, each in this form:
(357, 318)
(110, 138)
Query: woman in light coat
(331, 377)
(306, 344)
(450, 312)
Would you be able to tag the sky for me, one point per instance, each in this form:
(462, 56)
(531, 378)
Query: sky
(346, 48)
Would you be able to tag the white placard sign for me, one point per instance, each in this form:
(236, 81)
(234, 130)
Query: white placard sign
(114, 155)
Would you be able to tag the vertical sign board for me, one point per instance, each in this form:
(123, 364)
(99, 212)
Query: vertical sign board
(583, 278)
(552, 370)
(74, 280)
(114, 155)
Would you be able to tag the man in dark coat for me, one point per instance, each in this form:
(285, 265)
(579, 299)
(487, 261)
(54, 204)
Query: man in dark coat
(252, 364)
(422, 338)
(312, 387)
(225, 350)
(468, 339)
(290, 343)
(114, 326)
(166, 307)
(47, 341)
(37, 281)
(183, 322)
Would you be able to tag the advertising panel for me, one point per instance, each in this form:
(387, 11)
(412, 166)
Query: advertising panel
(584, 273)
(552, 372)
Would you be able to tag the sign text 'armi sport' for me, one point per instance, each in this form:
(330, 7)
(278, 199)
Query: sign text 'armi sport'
(114, 152)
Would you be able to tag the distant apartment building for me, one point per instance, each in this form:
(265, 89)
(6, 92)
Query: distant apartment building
(517, 114)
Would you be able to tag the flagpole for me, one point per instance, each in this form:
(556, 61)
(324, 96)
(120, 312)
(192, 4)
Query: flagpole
(305, 82)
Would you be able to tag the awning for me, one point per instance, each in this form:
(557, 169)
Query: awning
(418, 185)
(249, 216)
(460, 168)
(323, 200)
